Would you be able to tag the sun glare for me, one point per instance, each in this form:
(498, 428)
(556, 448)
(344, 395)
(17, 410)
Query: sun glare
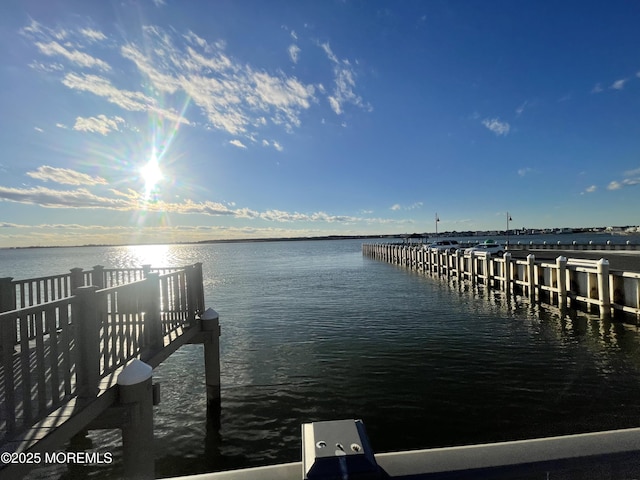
(151, 174)
(154, 255)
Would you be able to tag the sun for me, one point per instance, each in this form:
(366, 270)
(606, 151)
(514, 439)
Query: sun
(151, 174)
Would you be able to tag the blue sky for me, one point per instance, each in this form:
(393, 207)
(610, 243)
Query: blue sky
(155, 121)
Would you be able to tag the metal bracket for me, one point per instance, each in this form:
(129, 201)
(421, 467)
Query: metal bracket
(337, 450)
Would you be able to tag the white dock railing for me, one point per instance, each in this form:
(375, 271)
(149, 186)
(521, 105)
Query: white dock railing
(567, 281)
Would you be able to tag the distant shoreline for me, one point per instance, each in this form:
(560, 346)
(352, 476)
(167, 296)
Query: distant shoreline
(403, 236)
(206, 242)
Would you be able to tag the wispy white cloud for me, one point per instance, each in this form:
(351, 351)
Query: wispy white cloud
(125, 99)
(79, 58)
(50, 198)
(294, 52)
(237, 143)
(619, 84)
(100, 124)
(524, 171)
(396, 207)
(134, 201)
(46, 67)
(273, 144)
(102, 87)
(344, 83)
(597, 88)
(591, 189)
(36, 30)
(233, 96)
(65, 176)
(93, 35)
(632, 178)
(322, 217)
(520, 110)
(496, 126)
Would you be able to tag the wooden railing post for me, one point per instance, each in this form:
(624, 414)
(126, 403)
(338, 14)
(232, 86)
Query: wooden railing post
(76, 279)
(152, 317)
(98, 276)
(603, 288)
(7, 295)
(85, 319)
(195, 291)
(8, 330)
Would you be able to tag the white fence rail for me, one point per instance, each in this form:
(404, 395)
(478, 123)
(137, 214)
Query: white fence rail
(568, 281)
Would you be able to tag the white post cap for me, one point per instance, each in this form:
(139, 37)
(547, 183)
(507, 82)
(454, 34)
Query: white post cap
(136, 372)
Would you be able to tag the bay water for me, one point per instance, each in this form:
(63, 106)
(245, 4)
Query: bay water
(313, 331)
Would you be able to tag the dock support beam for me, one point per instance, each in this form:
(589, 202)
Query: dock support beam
(136, 391)
(211, 330)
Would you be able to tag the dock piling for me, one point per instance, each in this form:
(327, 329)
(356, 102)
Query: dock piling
(136, 391)
(561, 264)
(211, 330)
(531, 268)
(507, 272)
(603, 288)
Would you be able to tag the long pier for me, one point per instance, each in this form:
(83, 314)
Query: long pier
(77, 351)
(566, 281)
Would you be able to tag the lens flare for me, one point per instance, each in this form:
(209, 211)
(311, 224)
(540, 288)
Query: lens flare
(151, 175)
